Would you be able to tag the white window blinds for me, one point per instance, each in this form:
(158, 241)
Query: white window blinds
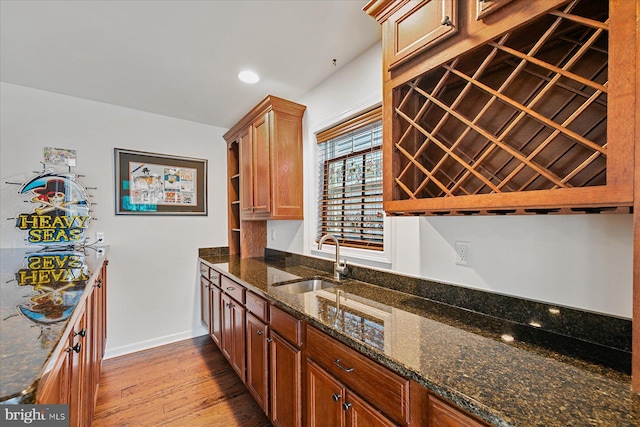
(350, 183)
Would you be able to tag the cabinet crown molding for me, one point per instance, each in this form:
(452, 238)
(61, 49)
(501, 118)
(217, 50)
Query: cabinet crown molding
(269, 103)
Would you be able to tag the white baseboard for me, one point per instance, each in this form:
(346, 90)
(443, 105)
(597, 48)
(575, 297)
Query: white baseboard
(156, 342)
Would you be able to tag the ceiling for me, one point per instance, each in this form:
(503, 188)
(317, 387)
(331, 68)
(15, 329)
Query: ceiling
(180, 58)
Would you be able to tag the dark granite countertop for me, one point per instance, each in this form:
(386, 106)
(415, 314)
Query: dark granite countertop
(38, 295)
(504, 383)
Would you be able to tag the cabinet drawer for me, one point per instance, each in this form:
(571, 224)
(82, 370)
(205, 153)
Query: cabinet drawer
(233, 289)
(205, 270)
(382, 388)
(256, 305)
(287, 326)
(445, 415)
(214, 278)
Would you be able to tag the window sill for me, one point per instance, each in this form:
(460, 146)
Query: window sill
(354, 256)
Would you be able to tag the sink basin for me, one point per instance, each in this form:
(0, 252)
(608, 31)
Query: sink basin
(306, 285)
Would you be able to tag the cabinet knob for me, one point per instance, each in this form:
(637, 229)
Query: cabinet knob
(260, 332)
(82, 333)
(346, 406)
(446, 21)
(98, 284)
(336, 397)
(269, 340)
(338, 363)
(75, 348)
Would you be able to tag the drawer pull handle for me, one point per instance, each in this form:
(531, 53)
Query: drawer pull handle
(230, 288)
(336, 397)
(346, 406)
(337, 363)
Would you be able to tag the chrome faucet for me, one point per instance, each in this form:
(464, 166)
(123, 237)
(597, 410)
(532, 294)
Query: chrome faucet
(340, 269)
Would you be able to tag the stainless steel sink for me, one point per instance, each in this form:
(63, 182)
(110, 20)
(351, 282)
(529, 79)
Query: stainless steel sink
(306, 285)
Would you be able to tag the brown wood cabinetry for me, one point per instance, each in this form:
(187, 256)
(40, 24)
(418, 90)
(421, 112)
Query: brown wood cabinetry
(442, 414)
(258, 360)
(416, 25)
(264, 165)
(257, 344)
(73, 374)
(285, 369)
(329, 402)
(215, 312)
(302, 376)
(233, 334)
(527, 109)
(205, 304)
(210, 300)
(383, 389)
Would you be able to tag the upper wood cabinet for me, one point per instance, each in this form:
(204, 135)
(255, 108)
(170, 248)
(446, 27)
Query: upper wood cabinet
(270, 158)
(411, 27)
(529, 108)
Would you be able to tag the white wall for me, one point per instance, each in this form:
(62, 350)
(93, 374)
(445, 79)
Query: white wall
(153, 297)
(582, 261)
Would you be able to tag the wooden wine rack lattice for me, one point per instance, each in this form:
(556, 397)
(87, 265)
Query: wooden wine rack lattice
(526, 111)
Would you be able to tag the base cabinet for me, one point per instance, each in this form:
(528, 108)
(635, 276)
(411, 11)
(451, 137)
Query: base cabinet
(258, 360)
(215, 313)
(329, 402)
(73, 375)
(286, 382)
(300, 375)
(233, 334)
(442, 414)
(205, 304)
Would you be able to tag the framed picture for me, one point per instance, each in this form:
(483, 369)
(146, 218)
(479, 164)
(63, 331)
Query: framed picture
(159, 184)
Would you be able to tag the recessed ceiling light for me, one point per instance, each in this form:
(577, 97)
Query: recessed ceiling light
(248, 76)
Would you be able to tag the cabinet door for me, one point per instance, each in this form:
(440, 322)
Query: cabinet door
(324, 398)
(227, 327)
(286, 376)
(77, 374)
(486, 7)
(359, 413)
(205, 305)
(246, 172)
(286, 163)
(238, 331)
(55, 387)
(215, 313)
(441, 414)
(261, 165)
(417, 26)
(257, 360)
(233, 334)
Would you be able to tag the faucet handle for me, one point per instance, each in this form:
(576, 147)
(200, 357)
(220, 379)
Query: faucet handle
(341, 269)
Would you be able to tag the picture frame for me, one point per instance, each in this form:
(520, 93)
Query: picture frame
(159, 184)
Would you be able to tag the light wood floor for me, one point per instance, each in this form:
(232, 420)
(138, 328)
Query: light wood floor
(188, 383)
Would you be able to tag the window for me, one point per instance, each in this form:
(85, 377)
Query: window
(350, 182)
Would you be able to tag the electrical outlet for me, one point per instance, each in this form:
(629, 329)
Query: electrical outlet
(463, 253)
(100, 236)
